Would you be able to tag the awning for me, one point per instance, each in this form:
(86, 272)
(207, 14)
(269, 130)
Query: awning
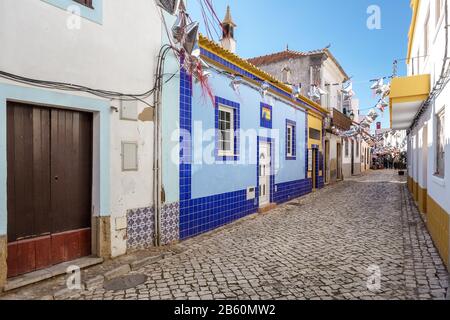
(406, 97)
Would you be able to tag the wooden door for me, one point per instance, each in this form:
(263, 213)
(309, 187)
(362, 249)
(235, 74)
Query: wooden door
(314, 168)
(327, 169)
(49, 186)
(339, 161)
(353, 157)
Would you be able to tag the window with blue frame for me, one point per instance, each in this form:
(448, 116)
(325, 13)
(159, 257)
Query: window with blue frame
(227, 129)
(266, 116)
(87, 3)
(88, 9)
(291, 137)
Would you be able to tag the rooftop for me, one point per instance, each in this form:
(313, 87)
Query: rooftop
(290, 54)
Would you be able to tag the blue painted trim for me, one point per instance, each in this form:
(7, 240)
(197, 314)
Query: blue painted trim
(52, 98)
(94, 14)
(236, 124)
(294, 140)
(265, 123)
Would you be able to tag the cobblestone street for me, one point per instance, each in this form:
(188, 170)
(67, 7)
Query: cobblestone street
(321, 246)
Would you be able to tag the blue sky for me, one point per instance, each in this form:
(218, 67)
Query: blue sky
(266, 26)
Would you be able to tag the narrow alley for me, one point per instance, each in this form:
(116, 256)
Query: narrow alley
(305, 249)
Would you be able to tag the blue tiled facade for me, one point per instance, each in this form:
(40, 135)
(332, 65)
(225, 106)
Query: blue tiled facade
(202, 207)
(290, 190)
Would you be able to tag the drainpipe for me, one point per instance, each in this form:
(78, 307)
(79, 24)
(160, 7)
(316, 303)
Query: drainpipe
(157, 143)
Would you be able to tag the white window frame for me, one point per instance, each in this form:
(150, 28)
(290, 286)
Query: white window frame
(439, 115)
(290, 140)
(222, 152)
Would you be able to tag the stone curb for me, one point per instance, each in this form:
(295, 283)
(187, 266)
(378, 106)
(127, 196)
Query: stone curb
(118, 272)
(145, 262)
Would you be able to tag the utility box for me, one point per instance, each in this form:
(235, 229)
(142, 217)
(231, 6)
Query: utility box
(251, 193)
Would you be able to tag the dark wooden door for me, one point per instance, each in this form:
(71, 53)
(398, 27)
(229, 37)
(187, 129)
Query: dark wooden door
(49, 186)
(353, 157)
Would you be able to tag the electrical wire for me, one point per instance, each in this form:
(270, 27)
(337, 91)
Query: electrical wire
(62, 86)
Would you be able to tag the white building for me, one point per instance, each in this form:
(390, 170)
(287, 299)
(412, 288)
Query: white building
(419, 104)
(76, 168)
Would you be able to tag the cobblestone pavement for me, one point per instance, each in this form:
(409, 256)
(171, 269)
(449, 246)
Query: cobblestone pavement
(327, 245)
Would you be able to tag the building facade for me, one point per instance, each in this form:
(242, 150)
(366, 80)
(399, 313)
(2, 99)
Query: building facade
(76, 165)
(319, 71)
(245, 144)
(419, 104)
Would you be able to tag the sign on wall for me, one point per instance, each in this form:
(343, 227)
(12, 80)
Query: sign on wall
(266, 116)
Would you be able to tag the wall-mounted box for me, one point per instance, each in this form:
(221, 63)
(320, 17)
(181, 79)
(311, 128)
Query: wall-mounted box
(129, 110)
(251, 193)
(129, 156)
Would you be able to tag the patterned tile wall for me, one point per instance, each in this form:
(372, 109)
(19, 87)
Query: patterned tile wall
(170, 223)
(140, 228)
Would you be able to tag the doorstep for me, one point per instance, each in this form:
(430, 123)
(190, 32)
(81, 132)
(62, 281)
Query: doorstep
(57, 270)
(267, 208)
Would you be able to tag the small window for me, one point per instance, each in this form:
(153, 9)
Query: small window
(286, 74)
(440, 143)
(87, 3)
(226, 131)
(290, 140)
(314, 134)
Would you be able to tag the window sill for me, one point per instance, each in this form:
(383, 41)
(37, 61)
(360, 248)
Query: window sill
(227, 158)
(439, 180)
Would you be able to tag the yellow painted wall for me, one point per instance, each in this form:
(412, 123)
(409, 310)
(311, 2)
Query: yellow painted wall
(316, 123)
(423, 200)
(415, 191)
(437, 219)
(410, 184)
(438, 225)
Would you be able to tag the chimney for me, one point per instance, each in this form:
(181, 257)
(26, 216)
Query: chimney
(228, 42)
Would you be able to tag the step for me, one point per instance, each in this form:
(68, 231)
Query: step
(267, 208)
(54, 271)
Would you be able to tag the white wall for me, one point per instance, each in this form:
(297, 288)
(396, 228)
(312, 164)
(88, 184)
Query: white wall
(438, 188)
(332, 75)
(117, 55)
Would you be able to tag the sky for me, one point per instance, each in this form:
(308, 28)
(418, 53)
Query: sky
(267, 26)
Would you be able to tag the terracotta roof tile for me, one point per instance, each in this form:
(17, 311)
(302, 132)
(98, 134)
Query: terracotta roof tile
(283, 55)
(288, 54)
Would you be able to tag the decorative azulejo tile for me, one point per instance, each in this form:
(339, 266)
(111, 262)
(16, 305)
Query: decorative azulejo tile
(140, 228)
(170, 223)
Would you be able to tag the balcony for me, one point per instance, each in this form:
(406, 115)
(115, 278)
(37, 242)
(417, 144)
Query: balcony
(341, 121)
(406, 97)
